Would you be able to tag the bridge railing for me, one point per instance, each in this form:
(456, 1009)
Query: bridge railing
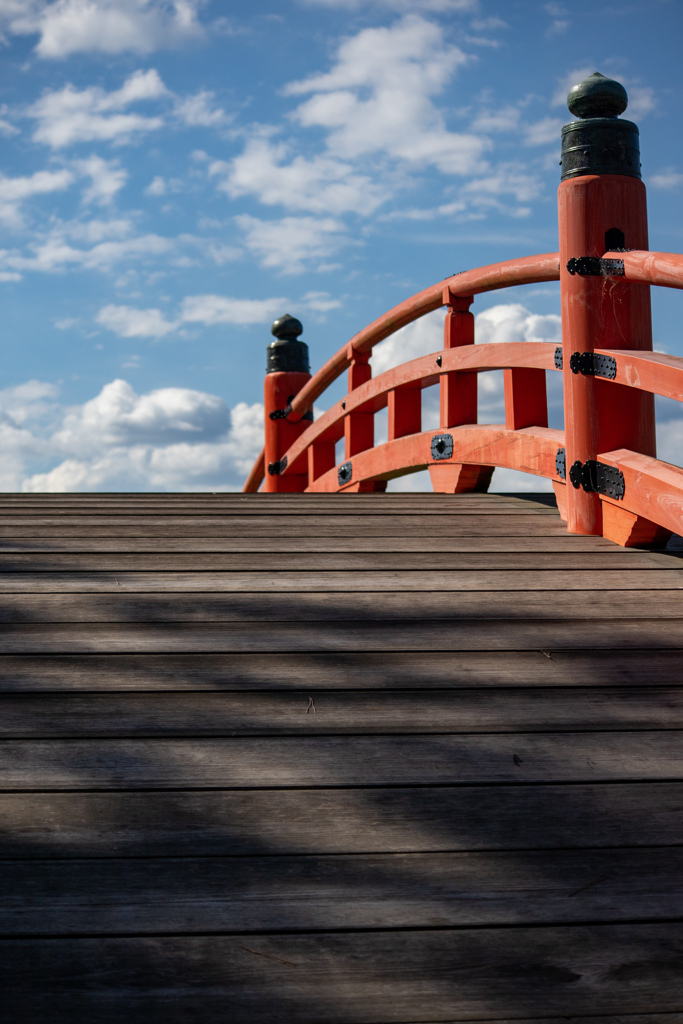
(603, 466)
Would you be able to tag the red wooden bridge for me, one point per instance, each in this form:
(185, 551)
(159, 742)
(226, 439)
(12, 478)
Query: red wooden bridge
(306, 757)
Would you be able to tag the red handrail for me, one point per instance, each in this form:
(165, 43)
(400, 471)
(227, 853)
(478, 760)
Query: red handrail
(524, 270)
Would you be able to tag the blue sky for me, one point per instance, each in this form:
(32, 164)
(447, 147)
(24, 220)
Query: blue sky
(175, 175)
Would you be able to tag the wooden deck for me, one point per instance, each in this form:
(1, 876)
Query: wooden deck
(351, 759)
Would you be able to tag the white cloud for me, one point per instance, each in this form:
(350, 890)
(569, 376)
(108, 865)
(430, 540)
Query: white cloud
(506, 322)
(404, 5)
(666, 179)
(504, 119)
(120, 416)
(107, 178)
(67, 116)
(135, 323)
(543, 132)
(14, 191)
(290, 243)
(56, 253)
(670, 441)
(320, 185)
(219, 309)
(128, 322)
(377, 99)
(198, 111)
(172, 438)
(514, 322)
(102, 26)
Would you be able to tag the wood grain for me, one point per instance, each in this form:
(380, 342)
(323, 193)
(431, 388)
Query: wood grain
(395, 819)
(332, 670)
(361, 977)
(358, 713)
(308, 761)
(299, 894)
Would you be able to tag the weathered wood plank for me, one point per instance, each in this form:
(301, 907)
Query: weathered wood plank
(354, 713)
(323, 671)
(340, 562)
(318, 637)
(381, 580)
(312, 607)
(300, 894)
(396, 819)
(308, 761)
(348, 978)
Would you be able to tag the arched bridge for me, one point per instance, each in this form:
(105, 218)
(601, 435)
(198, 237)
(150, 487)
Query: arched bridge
(319, 757)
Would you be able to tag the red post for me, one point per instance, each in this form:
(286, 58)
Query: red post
(287, 371)
(359, 427)
(602, 208)
(458, 401)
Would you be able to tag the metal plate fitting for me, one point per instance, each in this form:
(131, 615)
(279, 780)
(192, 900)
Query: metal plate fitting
(442, 446)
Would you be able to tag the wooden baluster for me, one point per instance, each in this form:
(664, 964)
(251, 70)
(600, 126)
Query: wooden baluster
(458, 401)
(405, 411)
(526, 401)
(359, 427)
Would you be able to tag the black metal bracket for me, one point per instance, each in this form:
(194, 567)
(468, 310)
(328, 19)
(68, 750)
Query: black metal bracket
(595, 266)
(282, 414)
(442, 446)
(275, 468)
(591, 364)
(558, 358)
(561, 463)
(344, 473)
(596, 476)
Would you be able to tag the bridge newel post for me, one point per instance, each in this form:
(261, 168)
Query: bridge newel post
(458, 400)
(602, 209)
(287, 370)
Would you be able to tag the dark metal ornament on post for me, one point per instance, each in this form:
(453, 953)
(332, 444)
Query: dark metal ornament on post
(599, 143)
(287, 353)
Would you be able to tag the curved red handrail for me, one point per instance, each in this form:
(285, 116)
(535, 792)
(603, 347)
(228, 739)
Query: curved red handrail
(532, 450)
(524, 270)
(425, 370)
(660, 268)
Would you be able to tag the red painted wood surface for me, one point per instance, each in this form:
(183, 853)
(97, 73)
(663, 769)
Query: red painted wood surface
(424, 371)
(532, 451)
(605, 313)
(526, 402)
(661, 268)
(279, 389)
(653, 489)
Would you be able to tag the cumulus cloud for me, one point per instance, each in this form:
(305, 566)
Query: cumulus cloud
(218, 309)
(107, 177)
(128, 322)
(292, 243)
(319, 185)
(168, 439)
(436, 6)
(514, 322)
(199, 111)
(69, 115)
(378, 98)
(15, 191)
(56, 253)
(65, 27)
